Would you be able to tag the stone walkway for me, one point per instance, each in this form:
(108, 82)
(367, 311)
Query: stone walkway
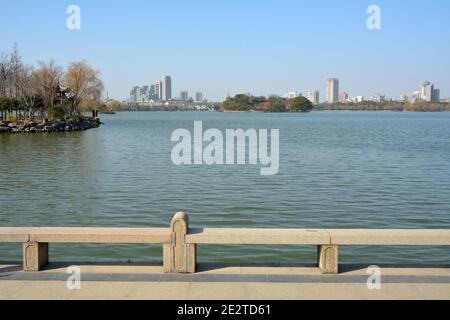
(222, 282)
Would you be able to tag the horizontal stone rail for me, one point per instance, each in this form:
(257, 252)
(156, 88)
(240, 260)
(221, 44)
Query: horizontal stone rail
(35, 240)
(101, 235)
(179, 241)
(385, 237)
(257, 236)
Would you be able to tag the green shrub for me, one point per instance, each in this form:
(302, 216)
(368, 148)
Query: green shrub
(11, 118)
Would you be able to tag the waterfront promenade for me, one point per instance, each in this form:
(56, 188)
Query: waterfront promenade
(227, 282)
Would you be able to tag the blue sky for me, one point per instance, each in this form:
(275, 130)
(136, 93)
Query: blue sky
(263, 47)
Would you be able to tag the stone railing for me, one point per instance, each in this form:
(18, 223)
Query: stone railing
(179, 241)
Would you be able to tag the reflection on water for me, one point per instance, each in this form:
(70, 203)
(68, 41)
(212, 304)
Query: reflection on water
(337, 170)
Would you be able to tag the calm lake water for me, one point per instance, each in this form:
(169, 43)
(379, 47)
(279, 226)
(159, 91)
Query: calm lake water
(337, 170)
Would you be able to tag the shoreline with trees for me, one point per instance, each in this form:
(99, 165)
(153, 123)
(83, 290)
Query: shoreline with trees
(247, 103)
(395, 106)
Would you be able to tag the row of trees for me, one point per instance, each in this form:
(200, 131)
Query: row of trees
(47, 90)
(242, 102)
(385, 106)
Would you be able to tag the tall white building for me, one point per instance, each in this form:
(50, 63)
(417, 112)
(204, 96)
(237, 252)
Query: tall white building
(158, 89)
(313, 96)
(426, 90)
(428, 93)
(332, 90)
(167, 88)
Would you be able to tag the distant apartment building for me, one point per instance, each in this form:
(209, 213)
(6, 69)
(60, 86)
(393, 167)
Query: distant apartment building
(292, 95)
(378, 97)
(198, 97)
(357, 99)
(435, 97)
(343, 97)
(332, 90)
(167, 88)
(313, 96)
(426, 93)
(154, 94)
(414, 96)
(134, 93)
(184, 96)
(144, 94)
(152, 89)
(158, 89)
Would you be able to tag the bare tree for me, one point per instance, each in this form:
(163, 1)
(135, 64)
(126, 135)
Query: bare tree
(48, 79)
(5, 73)
(16, 68)
(28, 85)
(82, 82)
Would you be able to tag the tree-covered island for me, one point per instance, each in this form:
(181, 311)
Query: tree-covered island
(246, 103)
(48, 97)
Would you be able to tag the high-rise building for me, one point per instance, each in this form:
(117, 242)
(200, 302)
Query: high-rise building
(313, 96)
(158, 89)
(145, 94)
(198, 97)
(435, 97)
(332, 90)
(152, 93)
(428, 93)
(167, 88)
(184, 96)
(343, 97)
(134, 94)
(426, 90)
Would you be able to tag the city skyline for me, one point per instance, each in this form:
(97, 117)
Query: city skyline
(160, 91)
(427, 92)
(249, 55)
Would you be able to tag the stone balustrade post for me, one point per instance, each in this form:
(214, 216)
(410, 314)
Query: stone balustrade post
(179, 256)
(328, 259)
(35, 256)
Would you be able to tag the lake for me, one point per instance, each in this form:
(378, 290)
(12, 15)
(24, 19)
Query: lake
(337, 170)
